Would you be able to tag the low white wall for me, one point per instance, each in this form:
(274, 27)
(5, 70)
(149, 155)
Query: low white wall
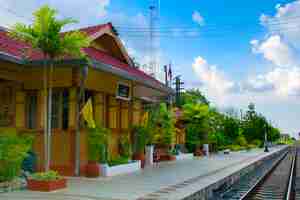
(106, 170)
(185, 156)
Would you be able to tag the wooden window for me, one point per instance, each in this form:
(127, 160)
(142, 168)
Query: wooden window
(118, 113)
(113, 112)
(65, 110)
(60, 109)
(7, 105)
(124, 115)
(31, 110)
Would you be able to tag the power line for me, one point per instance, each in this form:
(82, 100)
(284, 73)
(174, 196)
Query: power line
(205, 34)
(146, 28)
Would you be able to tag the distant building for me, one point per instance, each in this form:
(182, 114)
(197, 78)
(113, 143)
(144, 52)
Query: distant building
(285, 137)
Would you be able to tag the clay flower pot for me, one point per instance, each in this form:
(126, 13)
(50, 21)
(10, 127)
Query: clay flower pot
(198, 152)
(92, 169)
(46, 186)
(141, 157)
(172, 157)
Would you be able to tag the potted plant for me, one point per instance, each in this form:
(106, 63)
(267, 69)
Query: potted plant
(13, 151)
(46, 181)
(103, 160)
(97, 142)
(149, 124)
(139, 144)
(198, 149)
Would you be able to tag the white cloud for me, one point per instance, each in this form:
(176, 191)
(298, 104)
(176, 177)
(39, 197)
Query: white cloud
(13, 11)
(276, 51)
(196, 16)
(285, 82)
(285, 22)
(211, 78)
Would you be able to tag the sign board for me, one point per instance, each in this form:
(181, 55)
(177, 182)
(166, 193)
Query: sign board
(123, 91)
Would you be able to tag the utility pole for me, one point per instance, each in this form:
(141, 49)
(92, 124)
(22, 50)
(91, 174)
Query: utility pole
(154, 40)
(266, 138)
(166, 75)
(178, 89)
(152, 62)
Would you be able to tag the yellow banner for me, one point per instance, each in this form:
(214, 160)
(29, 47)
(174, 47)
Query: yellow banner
(145, 119)
(87, 113)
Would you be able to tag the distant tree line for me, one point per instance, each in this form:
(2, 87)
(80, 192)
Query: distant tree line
(229, 129)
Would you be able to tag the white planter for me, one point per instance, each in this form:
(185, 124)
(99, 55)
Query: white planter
(185, 156)
(206, 149)
(149, 155)
(107, 171)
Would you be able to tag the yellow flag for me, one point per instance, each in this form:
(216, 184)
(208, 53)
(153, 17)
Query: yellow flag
(87, 113)
(145, 118)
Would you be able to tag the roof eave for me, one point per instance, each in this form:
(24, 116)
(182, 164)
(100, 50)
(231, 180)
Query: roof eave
(11, 58)
(111, 69)
(98, 65)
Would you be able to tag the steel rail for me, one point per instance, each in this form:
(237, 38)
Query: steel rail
(262, 178)
(289, 190)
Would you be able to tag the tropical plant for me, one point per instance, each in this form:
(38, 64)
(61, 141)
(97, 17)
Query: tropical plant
(98, 144)
(140, 138)
(13, 150)
(125, 146)
(45, 35)
(166, 125)
(46, 176)
(118, 161)
(197, 124)
(193, 96)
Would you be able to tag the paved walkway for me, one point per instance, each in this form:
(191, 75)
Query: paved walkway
(170, 180)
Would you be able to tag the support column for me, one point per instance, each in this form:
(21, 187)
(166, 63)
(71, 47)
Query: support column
(20, 110)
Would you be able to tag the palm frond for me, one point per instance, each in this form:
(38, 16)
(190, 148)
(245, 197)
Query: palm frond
(24, 33)
(72, 43)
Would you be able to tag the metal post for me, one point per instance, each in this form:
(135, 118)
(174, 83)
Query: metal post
(83, 75)
(266, 139)
(46, 160)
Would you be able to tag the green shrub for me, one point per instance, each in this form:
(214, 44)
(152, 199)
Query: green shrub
(241, 141)
(118, 161)
(46, 176)
(257, 143)
(251, 146)
(98, 144)
(125, 146)
(13, 150)
(140, 139)
(222, 147)
(235, 147)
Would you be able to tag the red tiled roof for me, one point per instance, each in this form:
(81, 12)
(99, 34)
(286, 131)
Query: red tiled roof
(108, 59)
(94, 29)
(22, 50)
(16, 48)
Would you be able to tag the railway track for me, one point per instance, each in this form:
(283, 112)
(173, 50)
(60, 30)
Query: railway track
(275, 179)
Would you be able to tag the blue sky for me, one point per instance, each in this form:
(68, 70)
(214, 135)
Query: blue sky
(244, 51)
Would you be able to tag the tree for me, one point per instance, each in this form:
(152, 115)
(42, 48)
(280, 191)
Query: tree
(197, 124)
(45, 35)
(193, 96)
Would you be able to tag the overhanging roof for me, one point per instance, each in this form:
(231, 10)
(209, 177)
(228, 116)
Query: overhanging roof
(21, 53)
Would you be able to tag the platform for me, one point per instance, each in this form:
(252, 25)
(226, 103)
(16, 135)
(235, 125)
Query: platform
(170, 180)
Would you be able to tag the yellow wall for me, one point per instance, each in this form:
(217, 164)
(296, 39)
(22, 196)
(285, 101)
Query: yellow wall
(103, 82)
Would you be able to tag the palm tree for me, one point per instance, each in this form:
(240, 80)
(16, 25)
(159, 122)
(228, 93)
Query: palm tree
(45, 35)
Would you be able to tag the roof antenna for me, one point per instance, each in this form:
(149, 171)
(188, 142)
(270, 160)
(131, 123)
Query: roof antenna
(154, 39)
